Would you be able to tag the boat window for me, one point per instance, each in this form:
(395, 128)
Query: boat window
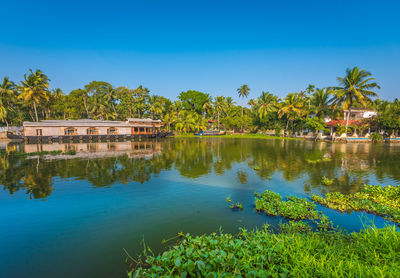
(39, 132)
(92, 131)
(70, 131)
(112, 130)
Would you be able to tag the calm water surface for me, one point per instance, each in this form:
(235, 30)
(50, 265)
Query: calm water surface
(74, 217)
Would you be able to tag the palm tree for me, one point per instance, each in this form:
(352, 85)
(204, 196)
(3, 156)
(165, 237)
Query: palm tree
(34, 89)
(292, 107)
(186, 122)
(266, 103)
(7, 90)
(243, 92)
(207, 107)
(155, 106)
(200, 123)
(219, 104)
(355, 87)
(110, 97)
(169, 119)
(320, 101)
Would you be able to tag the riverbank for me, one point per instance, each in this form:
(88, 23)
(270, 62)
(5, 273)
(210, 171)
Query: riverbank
(302, 248)
(252, 136)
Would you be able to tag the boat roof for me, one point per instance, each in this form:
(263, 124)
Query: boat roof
(90, 122)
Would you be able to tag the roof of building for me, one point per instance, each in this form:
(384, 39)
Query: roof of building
(142, 120)
(90, 122)
(342, 122)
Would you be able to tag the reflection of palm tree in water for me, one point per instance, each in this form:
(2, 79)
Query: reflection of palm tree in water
(241, 175)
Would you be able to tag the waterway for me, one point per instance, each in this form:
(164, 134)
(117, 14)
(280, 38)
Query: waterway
(77, 216)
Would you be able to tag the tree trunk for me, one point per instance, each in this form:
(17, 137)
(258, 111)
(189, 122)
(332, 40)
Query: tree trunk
(84, 104)
(347, 120)
(242, 114)
(34, 107)
(218, 121)
(287, 125)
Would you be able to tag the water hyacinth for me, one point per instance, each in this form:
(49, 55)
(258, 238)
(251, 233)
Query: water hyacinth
(378, 200)
(296, 251)
(293, 208)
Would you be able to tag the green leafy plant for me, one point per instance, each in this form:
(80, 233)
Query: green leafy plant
(296, 251)
(378, 200)
(376, 137)
(327, 181)
(234, 205)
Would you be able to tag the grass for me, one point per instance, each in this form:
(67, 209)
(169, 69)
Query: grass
(375, 199)
(296, 251)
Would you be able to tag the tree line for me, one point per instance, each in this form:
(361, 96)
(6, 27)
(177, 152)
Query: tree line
(32, 100)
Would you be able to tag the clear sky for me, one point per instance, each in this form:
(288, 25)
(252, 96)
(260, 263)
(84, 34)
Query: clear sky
(211, 46)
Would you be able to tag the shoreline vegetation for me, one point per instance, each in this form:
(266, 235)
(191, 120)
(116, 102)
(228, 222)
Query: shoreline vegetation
(307, 245)
(306, 111)
(251, 136)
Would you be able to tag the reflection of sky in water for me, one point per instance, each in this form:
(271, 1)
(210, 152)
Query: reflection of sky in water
(83, 212)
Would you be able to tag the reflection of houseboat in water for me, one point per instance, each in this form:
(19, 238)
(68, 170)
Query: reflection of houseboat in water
(134, 149)
(59, 130)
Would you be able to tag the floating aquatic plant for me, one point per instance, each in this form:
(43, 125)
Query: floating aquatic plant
(296, 251)
(326, 181)
(234, 205)
(378, 200)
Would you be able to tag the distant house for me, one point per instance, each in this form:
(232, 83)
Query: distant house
(87, 127)
(356, 117)
(359, 113)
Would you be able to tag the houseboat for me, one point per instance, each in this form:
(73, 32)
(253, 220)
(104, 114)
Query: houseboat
(87, 129)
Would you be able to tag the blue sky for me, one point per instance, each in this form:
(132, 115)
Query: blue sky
(211, 46)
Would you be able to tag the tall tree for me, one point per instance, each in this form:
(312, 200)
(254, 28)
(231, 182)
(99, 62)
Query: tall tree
(292, 107)
(34, 89)
(7, 95)
(243, 92)
(266, 103)
(355, 88)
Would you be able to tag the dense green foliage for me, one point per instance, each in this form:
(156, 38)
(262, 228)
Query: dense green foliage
(291, 253)
(32, 99)
(297, 250)
(379, 200)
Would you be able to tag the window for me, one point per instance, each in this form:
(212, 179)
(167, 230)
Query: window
(39, 132)
(92, 131)
(136, 129)
(70, 131)
(112, 130)
(141, 129)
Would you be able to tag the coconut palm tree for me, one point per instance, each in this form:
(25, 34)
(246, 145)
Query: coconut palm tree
(243, 92)
(186, 122)
(266, 103)
(155, 106)
(200, 123)
(7, 94)
(34, 89)
(355, 88)
(321, 101)
(219, 104)
(169, 119)
(292, 107)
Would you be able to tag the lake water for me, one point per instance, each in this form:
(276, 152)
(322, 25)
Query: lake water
(75, 217)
